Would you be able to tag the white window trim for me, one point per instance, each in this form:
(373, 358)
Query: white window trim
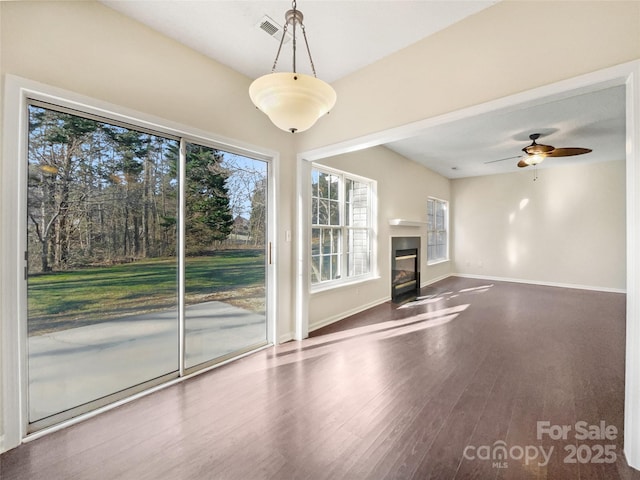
(373, 202)
(447, 222)
(335, 284)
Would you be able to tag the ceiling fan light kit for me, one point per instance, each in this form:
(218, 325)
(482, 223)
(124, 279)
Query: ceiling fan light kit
(537, 152)
(534, 159)
(292, 101)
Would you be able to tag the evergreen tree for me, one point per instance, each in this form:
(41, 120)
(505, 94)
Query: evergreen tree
(208, 217)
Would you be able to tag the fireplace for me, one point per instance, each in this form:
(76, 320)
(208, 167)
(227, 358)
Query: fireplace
(405, 268)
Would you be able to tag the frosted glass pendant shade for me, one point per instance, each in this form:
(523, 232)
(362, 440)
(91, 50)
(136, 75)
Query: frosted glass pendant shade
(292, 101)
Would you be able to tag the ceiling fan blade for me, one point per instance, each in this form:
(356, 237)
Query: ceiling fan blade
(567, 152)
(522, 164)
(502, 159)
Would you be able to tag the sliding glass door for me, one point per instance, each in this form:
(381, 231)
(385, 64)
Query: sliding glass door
(146, 257)
(225, 254)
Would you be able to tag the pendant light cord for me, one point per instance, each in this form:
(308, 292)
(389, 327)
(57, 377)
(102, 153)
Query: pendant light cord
(284, 34)
(304, 34)
(293, 4)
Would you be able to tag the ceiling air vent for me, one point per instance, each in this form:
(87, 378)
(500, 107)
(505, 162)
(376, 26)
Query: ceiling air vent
(273, 29)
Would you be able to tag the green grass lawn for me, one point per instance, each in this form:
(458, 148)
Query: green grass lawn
(74, 298)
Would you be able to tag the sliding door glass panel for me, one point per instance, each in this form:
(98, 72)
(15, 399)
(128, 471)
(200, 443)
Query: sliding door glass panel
(225, 254)
(101, 262)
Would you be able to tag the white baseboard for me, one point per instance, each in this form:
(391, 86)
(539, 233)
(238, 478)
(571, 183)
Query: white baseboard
(362, 308)
(434, 280)
(538, 282)
(285, 337)
(341, 316)
(348, 313)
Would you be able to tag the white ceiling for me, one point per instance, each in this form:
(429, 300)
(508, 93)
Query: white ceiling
(463, 148)
(345, 36)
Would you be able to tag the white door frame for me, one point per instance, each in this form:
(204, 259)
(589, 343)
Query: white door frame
(13, 330)
(627, 74)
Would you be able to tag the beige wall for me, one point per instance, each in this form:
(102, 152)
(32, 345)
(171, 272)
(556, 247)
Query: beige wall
(86, 48)
(488, 56)
(403, 188)
(89, 49)
(485, 57)
(567, 227)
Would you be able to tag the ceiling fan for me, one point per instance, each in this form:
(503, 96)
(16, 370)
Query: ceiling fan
(537, 152)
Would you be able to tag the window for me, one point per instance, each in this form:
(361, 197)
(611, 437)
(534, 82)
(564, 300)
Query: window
(341, 232)
(437, 230)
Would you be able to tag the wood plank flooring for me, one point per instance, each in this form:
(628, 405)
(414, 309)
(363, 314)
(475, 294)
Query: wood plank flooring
(391, 393)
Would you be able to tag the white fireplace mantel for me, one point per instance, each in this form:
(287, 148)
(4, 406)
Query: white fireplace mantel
(401, 222)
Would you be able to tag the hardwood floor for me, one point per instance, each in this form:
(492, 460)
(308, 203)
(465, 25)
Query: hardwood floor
(425, 390)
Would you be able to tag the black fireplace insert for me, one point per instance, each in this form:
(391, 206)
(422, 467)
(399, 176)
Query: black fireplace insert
(405, 268)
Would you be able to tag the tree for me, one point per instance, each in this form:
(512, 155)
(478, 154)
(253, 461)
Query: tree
(132, 148)
(97, 192)
(208, 217)
(257, 221)
(56, 148)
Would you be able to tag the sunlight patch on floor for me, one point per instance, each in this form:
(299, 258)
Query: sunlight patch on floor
(430, 299)
(316, 346)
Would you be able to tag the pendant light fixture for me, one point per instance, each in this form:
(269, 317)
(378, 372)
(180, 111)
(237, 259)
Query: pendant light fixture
(292, 101)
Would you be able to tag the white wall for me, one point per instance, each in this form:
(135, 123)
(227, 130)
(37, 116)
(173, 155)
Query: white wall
(567, 227)
(403, 187)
